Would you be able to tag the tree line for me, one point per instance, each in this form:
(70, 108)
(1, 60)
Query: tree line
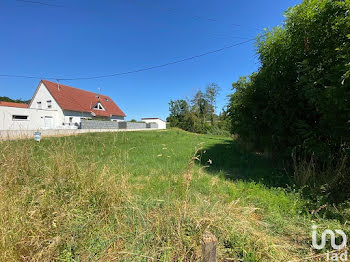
(297, 105)
(7, 99)
(197, 114)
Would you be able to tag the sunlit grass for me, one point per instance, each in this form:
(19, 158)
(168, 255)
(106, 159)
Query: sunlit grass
(143, 196)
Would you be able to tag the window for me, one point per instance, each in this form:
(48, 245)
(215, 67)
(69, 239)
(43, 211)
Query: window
(71, 119)
(38, 105)
(106, 99)
(98, 106)
(49, 104)
(19, 117)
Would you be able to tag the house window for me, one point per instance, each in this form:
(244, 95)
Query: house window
(106, 99)
(49, 104)
(38, 105)
(19, 117)
(98, 106)
(71, 119)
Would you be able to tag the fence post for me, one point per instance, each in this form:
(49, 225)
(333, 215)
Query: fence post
(208, 247)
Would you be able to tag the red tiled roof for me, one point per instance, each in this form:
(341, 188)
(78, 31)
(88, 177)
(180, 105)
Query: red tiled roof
(74, 99)
(12, 104)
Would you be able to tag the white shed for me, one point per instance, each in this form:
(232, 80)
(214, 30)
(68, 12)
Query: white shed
(161, 123)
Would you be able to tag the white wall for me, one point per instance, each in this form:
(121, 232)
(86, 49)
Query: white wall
(35, 120)
(160, 122)
(117, 118)
(73, 117)
(43, 95)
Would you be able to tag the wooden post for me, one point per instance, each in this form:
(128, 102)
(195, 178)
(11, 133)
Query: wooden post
(208, 247)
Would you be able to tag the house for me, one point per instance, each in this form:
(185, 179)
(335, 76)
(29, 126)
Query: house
(57, 106)
(160, 123)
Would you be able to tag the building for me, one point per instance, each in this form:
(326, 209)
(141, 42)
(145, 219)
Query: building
(57, 106)
(160, 123)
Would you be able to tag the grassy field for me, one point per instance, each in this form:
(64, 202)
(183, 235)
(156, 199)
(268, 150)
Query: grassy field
(147, 196)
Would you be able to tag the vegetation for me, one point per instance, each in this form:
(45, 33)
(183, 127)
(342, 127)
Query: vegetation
(297, 104)
(198, 114)
(141, 196)
(7, 99)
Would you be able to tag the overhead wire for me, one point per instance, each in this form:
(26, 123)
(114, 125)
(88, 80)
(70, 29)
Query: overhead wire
(39, 3)
(131, 71)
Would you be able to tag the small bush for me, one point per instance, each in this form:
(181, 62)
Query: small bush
(329, 183)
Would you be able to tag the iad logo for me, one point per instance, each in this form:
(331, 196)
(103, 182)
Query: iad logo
(331, 256)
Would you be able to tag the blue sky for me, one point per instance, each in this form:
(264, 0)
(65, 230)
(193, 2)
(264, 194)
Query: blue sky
(88, 38)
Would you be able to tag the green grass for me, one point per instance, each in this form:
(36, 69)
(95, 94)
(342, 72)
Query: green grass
(144, 196)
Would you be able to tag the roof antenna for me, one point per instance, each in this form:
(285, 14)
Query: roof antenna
(98, 94)
(58, 84)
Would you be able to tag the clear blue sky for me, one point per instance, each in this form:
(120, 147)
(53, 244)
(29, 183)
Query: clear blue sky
(87, 38)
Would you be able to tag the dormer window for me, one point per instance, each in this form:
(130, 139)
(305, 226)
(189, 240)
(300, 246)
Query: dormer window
(98, 106)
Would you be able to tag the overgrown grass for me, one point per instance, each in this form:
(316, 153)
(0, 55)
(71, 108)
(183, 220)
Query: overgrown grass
(144, 196)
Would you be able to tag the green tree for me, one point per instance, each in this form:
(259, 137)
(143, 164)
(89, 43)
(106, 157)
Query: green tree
(7, 99)
(200, 107)
(299, 100)
(211, 92)
(178, 110)
(300, 95)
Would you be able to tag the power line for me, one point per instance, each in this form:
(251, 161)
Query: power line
(159, 7)
(209, 19)
(133, 71)
(138, 70)
(162, 9)
(39, 3)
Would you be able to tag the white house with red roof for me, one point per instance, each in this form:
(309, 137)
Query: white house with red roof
(57, 106)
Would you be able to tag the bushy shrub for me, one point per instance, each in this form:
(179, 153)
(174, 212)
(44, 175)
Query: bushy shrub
(300, 97)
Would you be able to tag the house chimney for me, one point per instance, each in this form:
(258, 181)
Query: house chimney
(58, 84)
